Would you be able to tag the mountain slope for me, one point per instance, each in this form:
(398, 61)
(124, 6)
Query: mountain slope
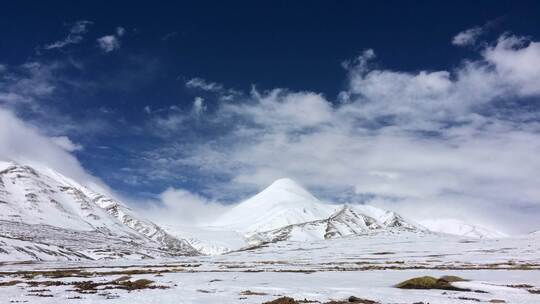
(347, 221)
(458, 227)
(142, 226)
(34, 198)
(46, 207)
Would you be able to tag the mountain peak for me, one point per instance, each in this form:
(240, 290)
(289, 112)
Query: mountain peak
(285, 181)
(6, 166)
(287, 185)
(282, 203)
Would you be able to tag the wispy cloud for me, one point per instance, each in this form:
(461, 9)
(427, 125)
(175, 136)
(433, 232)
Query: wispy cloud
(169, 36)
(75, 35)
(36, 88)
(120, 31)
(468, 37)
(198, 106)
(19, 141)
(110, 43)
(199, 83)
(223, 93)
(26, 83)
(67, 144)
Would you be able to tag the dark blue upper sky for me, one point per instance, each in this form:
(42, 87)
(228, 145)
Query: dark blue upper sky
(298, 45)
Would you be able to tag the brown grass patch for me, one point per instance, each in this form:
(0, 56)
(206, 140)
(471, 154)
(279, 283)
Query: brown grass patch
(282, 300)
(428, 282)
(288, 300)
(252, 293)
(10, 283)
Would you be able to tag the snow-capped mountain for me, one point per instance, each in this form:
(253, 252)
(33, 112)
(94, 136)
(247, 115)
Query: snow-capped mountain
(47, 216)
(282, 203)
(348, 221)
(458, 227)
(287, 211)
(44, 207)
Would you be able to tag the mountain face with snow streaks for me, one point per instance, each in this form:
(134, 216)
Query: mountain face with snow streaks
(43, 207)
(345, 222)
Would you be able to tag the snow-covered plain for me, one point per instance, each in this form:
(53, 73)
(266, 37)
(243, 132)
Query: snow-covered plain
(362, 266)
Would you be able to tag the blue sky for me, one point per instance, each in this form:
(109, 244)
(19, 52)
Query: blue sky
(216, 100)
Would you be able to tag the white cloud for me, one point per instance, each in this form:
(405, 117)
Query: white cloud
(199, 83)
(12, 98)
(468, 37)
(279, 109)
(170, 122)
(120, 31)
(507, 71)
(27, 82)
(24, 144)
(74, 36)
(198, 106)
(360, 63)
(212, 87)
(179, 206)
(80, 27)
(65, 143)
(108, 43)
(428, 143)
(516, 61)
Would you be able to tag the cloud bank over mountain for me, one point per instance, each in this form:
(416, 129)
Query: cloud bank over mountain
(462, 142)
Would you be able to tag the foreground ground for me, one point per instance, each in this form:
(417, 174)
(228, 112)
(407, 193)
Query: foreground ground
(498, 271)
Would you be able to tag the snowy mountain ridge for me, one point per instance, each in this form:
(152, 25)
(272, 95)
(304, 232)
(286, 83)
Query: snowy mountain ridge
(285, 203)
(35, 201)
(45, 215)
(459, 227)
(348, 221)
(286, 211)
